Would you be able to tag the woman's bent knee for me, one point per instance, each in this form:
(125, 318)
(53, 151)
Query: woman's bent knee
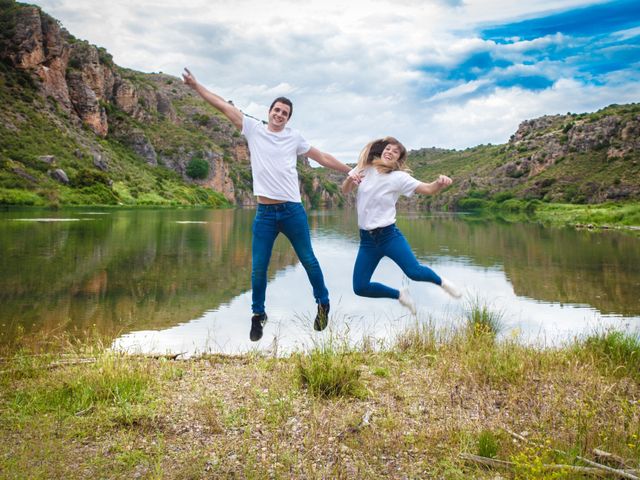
(361, 290)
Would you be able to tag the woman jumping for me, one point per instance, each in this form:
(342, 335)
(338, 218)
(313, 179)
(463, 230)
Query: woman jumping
(381, 177)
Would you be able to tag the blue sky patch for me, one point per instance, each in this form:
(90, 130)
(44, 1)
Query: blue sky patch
(595, 20)
(476, 66)
(528, 82)
(585, 44)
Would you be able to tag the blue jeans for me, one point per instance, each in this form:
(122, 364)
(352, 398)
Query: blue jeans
(289, 218)
(386, 242)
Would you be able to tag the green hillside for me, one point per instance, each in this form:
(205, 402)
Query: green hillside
(580, 159)
(37, 137)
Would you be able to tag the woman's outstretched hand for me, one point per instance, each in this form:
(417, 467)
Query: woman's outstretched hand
(443, 181)
(355, 176)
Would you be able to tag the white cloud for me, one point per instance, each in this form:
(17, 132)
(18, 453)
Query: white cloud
(354, 72)
(494, 117)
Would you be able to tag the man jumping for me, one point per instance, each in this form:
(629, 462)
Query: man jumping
(274, 149)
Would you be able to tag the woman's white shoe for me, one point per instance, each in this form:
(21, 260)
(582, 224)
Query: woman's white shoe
(450, 288)
(406, 300)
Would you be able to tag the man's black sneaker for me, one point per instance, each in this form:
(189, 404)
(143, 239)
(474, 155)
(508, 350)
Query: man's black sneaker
(257, 322)
(322, 317)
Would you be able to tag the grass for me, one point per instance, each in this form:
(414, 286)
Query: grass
(329, 371)
(482, 321)
(617, 353)
(622, 216)
(607, 214)
(487, 444)
(404, 411)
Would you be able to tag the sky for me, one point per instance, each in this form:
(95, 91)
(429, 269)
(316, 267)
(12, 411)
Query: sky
(432, 73)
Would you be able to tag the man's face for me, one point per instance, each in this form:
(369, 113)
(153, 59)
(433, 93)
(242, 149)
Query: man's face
(279, 116)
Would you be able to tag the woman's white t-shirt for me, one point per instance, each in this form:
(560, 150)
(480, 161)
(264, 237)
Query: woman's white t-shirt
(273, 159)
(377, 196)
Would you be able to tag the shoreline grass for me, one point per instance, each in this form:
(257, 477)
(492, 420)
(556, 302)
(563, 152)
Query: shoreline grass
(624, 216)
(413, 409)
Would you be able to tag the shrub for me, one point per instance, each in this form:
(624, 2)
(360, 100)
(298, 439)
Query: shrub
(201, 119)
(532, 206)
(478, 193)
(198, 168)
(471, 203)
(502, 196)
(19, 197)
(96, 194)
(513, 205)
(74, 63)
(86, 178)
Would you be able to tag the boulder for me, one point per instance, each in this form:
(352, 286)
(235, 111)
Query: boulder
(59, 175)
(100, 162)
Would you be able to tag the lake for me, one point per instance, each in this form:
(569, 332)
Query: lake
(179, 280)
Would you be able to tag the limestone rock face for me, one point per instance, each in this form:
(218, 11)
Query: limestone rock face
(241, 152)
(125, 97)
(98, 77)
(219, 178)
(165, 107)
(28, 40)
(85, 103)
(37, 45)
(139, 142)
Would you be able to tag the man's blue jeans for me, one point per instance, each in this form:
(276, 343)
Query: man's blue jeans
(289, 218)
(386, 242)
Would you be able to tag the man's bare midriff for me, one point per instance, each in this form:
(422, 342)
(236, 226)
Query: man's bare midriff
(268, 201)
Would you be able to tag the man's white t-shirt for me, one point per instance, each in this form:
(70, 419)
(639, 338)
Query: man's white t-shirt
(378, 194)
(273, 159)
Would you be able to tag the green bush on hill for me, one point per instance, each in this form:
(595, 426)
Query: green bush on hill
(198, 168)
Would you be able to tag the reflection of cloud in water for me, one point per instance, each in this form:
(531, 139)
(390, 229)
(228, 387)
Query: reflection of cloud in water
(291, 309)
(50, 219)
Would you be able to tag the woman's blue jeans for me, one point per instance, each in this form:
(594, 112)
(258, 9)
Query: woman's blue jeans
(386, 242)
(289, 218)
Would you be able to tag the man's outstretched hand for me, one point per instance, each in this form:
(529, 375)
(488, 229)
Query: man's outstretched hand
(189, 79)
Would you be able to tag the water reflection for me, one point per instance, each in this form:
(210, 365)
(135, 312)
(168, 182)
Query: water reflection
(179, 280)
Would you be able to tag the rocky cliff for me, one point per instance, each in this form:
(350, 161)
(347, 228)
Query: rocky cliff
(125, 129)
(575, 158)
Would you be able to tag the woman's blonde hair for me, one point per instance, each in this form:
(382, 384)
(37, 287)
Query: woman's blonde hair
(371, 153)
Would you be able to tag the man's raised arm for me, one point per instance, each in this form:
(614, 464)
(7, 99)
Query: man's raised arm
(232, 113)
(327, 160)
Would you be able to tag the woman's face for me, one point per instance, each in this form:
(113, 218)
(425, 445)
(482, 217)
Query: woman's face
(391, 154)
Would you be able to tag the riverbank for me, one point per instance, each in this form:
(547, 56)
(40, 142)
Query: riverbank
(606, 215)
(623, 216)
(419, 408)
